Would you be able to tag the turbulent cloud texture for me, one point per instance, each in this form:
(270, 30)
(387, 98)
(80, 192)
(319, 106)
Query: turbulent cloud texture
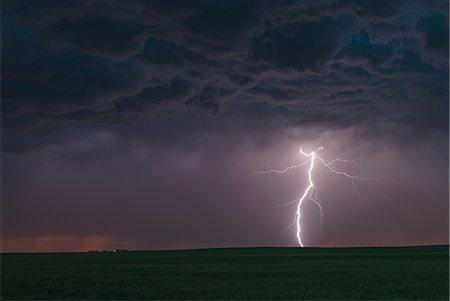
(98, 86)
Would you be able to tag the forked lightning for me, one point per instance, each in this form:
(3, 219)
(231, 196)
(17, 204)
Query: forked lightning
(311, 190)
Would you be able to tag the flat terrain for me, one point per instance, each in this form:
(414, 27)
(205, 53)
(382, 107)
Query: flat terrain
(247, 273)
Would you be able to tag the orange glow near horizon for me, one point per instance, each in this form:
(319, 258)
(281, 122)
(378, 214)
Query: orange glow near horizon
(43, 244)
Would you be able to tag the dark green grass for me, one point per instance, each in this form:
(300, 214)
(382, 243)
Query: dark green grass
(247, 273)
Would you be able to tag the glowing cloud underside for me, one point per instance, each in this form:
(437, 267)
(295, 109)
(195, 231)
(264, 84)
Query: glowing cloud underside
(311, 190)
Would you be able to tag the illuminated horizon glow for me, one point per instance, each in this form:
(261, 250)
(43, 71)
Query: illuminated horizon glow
(311, 189)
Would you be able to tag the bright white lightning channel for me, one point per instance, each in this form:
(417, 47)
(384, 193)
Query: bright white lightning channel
(311, 190)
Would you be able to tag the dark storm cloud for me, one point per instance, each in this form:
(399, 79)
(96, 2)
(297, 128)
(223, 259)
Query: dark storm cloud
(301, 45)
(114, 61)
(361, 50)
(101, 35)
(434, 30)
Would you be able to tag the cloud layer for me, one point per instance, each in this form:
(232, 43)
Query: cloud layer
(334, 63)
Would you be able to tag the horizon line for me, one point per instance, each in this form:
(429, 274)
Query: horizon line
(229, 247)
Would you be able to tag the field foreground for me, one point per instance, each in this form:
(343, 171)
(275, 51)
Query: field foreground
(244, 273)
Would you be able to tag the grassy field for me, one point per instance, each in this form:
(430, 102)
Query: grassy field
(247, 273)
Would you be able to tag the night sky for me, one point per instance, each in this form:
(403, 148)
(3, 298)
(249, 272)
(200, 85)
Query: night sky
(136, 124)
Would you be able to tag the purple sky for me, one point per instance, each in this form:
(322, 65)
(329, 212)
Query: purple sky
(133, 125)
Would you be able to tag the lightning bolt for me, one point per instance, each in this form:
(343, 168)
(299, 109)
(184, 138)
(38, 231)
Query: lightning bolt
(310, 191)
